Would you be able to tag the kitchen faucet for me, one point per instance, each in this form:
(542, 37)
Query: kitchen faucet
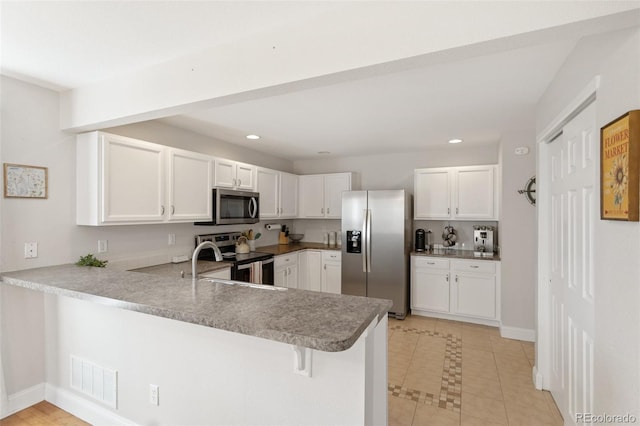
(196, 252)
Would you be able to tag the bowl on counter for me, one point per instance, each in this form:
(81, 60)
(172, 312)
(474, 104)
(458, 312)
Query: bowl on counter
(296, 238)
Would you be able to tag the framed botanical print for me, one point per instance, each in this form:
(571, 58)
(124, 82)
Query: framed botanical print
(619, 161)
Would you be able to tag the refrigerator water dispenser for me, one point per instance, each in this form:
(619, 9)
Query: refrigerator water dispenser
(354, 241)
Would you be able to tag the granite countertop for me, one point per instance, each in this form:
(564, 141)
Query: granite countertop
(175, 270)
(323, 321)
(278, 249)
(454, 254)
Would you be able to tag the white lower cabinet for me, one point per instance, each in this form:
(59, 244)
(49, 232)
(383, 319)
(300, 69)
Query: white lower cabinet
(464, 290)
(310, 277)
(285, 270)
(332, 271)
(430, 284)
(475, 288)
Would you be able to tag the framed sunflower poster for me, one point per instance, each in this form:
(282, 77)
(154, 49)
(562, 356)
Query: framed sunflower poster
(619, 163)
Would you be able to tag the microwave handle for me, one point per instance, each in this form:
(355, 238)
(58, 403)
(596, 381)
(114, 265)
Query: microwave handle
(253, 203)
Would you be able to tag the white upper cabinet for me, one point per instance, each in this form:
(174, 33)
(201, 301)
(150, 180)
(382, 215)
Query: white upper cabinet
(321, 195)
(121, 180)
(432, 194)
(278, 193)
(456, 193)
(234, 175)
(288, 195)
(190, 186)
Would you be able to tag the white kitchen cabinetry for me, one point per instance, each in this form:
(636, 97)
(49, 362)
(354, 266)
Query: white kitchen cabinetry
(321, 195)
(189, 186)
(463, 290)
(456, 193)
(121, 180)
(278, 193)
(430, 284)
(475, 289)
(234, 175)
(286, 270)
(310, 277)
(332, 271)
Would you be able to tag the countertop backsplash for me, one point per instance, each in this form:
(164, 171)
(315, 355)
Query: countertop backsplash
(464, 231)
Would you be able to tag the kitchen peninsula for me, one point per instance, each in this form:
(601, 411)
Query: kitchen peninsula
(218, 353)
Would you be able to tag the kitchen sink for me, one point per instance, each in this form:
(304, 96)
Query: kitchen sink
(242, 284)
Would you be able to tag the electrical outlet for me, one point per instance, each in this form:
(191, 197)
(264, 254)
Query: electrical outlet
(103, 246)
(172, 239)
(30, 250)
(154, 394)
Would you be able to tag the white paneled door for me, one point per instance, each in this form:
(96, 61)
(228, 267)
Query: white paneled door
(574, 209)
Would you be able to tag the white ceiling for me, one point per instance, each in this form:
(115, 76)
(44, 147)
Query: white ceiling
(64, 45)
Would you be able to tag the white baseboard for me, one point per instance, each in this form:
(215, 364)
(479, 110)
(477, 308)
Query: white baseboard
(526, 334)
(84, 409)
(537, 378)
(23, 399)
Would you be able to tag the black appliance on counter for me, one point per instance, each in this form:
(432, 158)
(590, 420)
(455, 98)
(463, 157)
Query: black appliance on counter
(421, 240)
(253, 267)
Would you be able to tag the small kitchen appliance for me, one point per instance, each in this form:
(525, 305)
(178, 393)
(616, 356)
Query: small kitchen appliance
(421, 240)
(483, 240)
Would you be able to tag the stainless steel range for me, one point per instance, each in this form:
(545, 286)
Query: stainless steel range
(253, 267)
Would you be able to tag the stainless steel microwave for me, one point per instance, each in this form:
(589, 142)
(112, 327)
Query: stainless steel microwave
(231, 207)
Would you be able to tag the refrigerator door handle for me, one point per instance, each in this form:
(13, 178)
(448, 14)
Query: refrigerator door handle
(364, 240)
(368, 240)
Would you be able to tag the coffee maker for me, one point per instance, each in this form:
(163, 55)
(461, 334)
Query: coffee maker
(483, 240)
(421, 240)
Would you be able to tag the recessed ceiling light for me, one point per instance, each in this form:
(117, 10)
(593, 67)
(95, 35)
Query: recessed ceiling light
(253, 137)
(455, 140)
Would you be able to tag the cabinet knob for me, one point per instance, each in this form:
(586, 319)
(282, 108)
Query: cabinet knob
(448, 210)
(456, 278)
(173, 209)
(431, 263)
(447, 277)
(456, 210)
(474, 266)
(161, 209)
(239, 182)
(322, 210)
(327, 210)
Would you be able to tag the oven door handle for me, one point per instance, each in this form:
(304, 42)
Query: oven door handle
(267, 261)
(245, 266)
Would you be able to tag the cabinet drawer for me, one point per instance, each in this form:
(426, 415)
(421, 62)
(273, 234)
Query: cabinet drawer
(430, 262)
(285, 260)
(331, 255)
(482, 266)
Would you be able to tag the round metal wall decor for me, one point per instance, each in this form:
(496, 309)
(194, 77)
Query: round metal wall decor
(529, 190)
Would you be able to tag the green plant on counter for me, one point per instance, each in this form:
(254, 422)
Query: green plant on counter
(90, 260)
(249, 235)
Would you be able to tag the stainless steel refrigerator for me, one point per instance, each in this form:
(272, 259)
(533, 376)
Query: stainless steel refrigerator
(375, 246)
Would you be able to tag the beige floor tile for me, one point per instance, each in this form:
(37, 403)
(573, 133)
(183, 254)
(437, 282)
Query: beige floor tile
(473, 354)
(395, 375)
(527, 411)
(429, 415)
(467, 419)
(507, 346)
(401, 411)
(491, 410)
(435, 343)
(482, 387)
(418, 322)
(429, 383)
(482, 344)
(529, 350)
(553, 408)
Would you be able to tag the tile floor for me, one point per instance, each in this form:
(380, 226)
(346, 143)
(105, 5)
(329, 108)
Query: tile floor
(452, 373)
(441, 373)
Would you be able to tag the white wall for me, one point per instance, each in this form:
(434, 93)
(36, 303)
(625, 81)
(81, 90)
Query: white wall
(617, 244)
(518, 231)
